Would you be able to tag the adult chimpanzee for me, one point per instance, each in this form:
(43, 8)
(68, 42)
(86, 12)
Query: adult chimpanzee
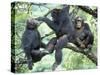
(84, 35)
(31, 43)
(62, 25)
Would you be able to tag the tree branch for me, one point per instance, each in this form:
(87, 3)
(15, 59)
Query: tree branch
(46, 35)
(87, 53)
(89, 11)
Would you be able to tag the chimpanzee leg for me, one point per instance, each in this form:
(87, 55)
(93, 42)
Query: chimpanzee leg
(40, 53)
(51, 45)
(29, 58)
(61, 43)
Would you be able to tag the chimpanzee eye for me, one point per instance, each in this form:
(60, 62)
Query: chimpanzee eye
(79, 20)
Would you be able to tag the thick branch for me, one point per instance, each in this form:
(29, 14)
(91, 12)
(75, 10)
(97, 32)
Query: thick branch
(87, 53)
(89, 10)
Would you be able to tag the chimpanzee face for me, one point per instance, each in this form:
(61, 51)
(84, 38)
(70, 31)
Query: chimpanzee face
(78, 23)
(32, 23)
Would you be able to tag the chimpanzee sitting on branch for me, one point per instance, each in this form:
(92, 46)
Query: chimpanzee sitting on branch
(62, 25)
(31, 43)
(84, 35)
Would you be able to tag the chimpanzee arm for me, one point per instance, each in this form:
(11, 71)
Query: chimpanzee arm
(49, 23)
(64, 16)
(89, 38)
(27, 39)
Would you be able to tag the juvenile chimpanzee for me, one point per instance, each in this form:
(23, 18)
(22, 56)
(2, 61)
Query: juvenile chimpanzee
(31, 43)
(62, 25)
(84, 35)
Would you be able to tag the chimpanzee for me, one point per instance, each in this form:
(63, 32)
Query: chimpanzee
(84, 35)
(62, 25)
(31, 43)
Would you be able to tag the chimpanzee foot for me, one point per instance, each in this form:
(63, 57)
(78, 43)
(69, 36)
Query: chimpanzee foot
(30, 64)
